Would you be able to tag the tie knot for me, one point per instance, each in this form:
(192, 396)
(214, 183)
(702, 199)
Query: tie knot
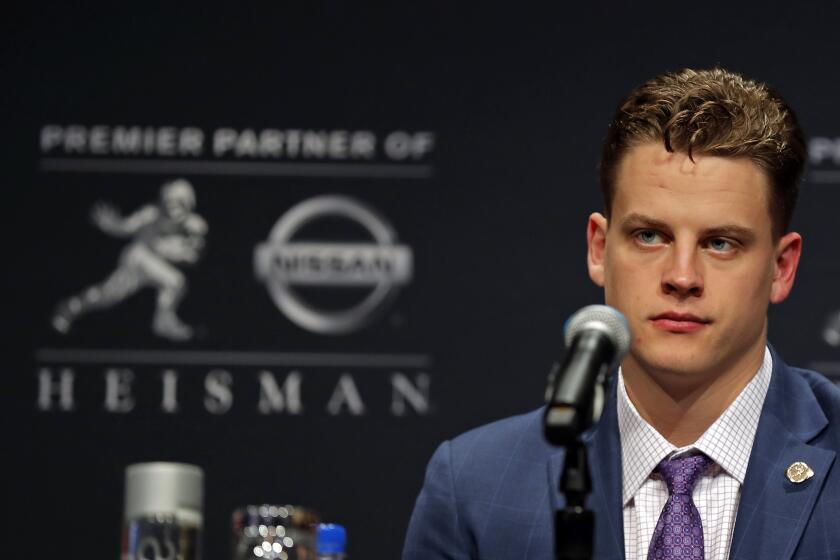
(681, 474)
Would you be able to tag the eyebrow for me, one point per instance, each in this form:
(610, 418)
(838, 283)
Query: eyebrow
(635, 220)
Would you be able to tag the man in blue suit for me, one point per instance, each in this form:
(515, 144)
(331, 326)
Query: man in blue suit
(709, 445)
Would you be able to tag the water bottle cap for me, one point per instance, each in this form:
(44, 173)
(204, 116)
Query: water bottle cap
(332, 538)
(161, 487)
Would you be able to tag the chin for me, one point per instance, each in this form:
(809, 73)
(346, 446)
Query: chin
(672, 359)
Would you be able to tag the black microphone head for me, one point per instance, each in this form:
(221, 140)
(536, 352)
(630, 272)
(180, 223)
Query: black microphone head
(602, 318)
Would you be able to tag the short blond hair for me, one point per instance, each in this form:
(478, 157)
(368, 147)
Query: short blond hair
(714, 112)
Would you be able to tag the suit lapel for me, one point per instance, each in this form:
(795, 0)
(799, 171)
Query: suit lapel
(604, 455)
(773, 511)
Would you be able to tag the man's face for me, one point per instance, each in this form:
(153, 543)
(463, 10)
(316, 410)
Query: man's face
(688, 256)
(178, 200)
(176, 209)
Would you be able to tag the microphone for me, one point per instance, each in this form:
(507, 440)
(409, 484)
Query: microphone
(597, 338)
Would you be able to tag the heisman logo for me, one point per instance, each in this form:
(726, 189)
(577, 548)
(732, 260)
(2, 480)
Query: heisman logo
(162, 237)
(292, 266)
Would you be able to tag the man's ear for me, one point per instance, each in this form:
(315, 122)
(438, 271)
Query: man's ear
(596, 242)
(788, 251)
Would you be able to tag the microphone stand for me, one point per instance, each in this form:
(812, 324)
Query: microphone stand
(574, 524)
(597, 337)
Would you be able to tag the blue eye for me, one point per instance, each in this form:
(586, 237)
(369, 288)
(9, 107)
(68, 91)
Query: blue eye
(647, 236)
(719, 244)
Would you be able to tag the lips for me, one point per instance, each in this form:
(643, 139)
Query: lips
(679, 322)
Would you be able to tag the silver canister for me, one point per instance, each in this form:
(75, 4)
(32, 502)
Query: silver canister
(163, 512)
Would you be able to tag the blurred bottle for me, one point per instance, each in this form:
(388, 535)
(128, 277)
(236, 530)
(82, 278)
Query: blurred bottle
(163, 512)
(274, 532)
(332, 542)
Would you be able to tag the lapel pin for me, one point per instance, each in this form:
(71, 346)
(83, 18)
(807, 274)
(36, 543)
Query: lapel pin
(799, 472)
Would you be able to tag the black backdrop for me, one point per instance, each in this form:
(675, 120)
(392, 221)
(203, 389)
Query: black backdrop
(509, 106)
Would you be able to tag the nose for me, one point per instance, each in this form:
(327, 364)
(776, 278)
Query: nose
(682, 276)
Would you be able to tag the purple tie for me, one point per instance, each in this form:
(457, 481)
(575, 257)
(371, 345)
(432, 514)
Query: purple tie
(679, 532)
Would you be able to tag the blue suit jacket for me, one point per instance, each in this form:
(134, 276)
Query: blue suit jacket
(491, 493)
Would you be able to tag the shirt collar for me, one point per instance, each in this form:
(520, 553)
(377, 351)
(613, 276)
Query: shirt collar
(728, 441)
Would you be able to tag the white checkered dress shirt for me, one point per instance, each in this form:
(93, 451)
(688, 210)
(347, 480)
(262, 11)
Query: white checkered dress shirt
(728, 442)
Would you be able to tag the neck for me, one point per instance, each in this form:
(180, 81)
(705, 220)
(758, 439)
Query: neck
(682, 406)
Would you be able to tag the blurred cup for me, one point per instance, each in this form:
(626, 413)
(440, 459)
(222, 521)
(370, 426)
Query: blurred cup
(163, 512)
(274, 532)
